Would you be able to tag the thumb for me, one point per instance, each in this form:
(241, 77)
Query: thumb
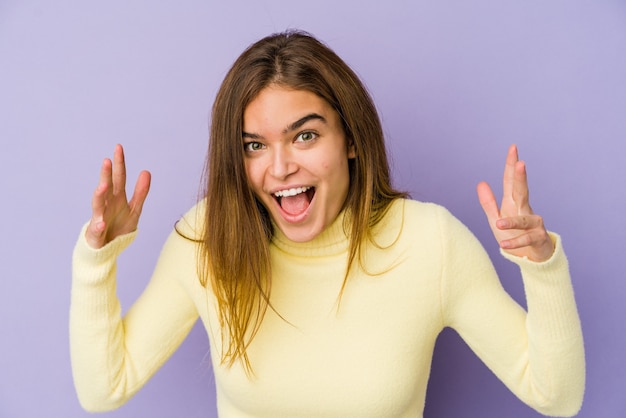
(488, 202)
(95, 233)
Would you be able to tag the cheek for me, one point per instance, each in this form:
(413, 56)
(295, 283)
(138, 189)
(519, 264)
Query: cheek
(333, 167)
(331, 163)
(253, 173)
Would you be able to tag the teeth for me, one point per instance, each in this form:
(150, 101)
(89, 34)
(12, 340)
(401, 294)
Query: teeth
(292, 192)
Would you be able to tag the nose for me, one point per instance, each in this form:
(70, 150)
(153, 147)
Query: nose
(282, 164)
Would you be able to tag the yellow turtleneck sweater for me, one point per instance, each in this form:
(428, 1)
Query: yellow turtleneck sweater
(370, 355)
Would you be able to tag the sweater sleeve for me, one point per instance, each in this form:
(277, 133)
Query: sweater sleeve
(113, 357)
(539, 353)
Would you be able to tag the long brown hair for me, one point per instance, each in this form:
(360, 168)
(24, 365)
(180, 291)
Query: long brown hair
(234, 252)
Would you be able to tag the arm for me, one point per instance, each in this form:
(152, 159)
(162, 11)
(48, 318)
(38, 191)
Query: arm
(539, 354)
(112, 357)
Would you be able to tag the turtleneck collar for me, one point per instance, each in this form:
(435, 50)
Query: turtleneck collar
(331, 241)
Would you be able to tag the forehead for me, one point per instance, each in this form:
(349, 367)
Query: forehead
(276, 107)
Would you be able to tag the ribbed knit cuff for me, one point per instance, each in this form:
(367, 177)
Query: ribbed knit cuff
(549, 293)
(558, 256)
(92, 265)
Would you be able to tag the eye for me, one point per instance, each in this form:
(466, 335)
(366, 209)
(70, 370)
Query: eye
(306, 136)
(252, 146)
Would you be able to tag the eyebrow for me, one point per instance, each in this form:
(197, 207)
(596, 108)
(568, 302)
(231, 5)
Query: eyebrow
(291, 127)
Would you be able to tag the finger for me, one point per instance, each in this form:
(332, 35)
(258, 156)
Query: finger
(520, 241)
(520, 189)
(508, 178)
(96, 228)
(119, 170)
(534, 244)
(142, 187)
(98, 201)
(524, 222)
(488, 202)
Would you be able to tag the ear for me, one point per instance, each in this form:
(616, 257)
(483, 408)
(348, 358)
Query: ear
(351, 149)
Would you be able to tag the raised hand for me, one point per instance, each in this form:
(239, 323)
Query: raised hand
(516, 228)
(112, 214)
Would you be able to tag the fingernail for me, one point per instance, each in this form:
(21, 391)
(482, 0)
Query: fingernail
(501, 223)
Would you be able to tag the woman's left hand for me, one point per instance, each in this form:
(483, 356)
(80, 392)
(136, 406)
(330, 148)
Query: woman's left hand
(517, 229)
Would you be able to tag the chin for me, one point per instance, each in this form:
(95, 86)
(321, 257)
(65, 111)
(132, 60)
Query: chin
(300, 235)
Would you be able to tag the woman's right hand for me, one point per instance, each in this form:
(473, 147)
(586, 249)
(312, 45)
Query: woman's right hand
(112, 214)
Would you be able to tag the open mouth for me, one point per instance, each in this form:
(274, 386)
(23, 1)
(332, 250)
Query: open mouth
(295, 201)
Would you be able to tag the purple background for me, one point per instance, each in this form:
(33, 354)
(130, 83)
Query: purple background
(455, 82)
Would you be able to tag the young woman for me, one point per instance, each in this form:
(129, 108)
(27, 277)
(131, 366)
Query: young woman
(322, 289)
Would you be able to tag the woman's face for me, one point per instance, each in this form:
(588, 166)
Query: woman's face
(296, 159)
